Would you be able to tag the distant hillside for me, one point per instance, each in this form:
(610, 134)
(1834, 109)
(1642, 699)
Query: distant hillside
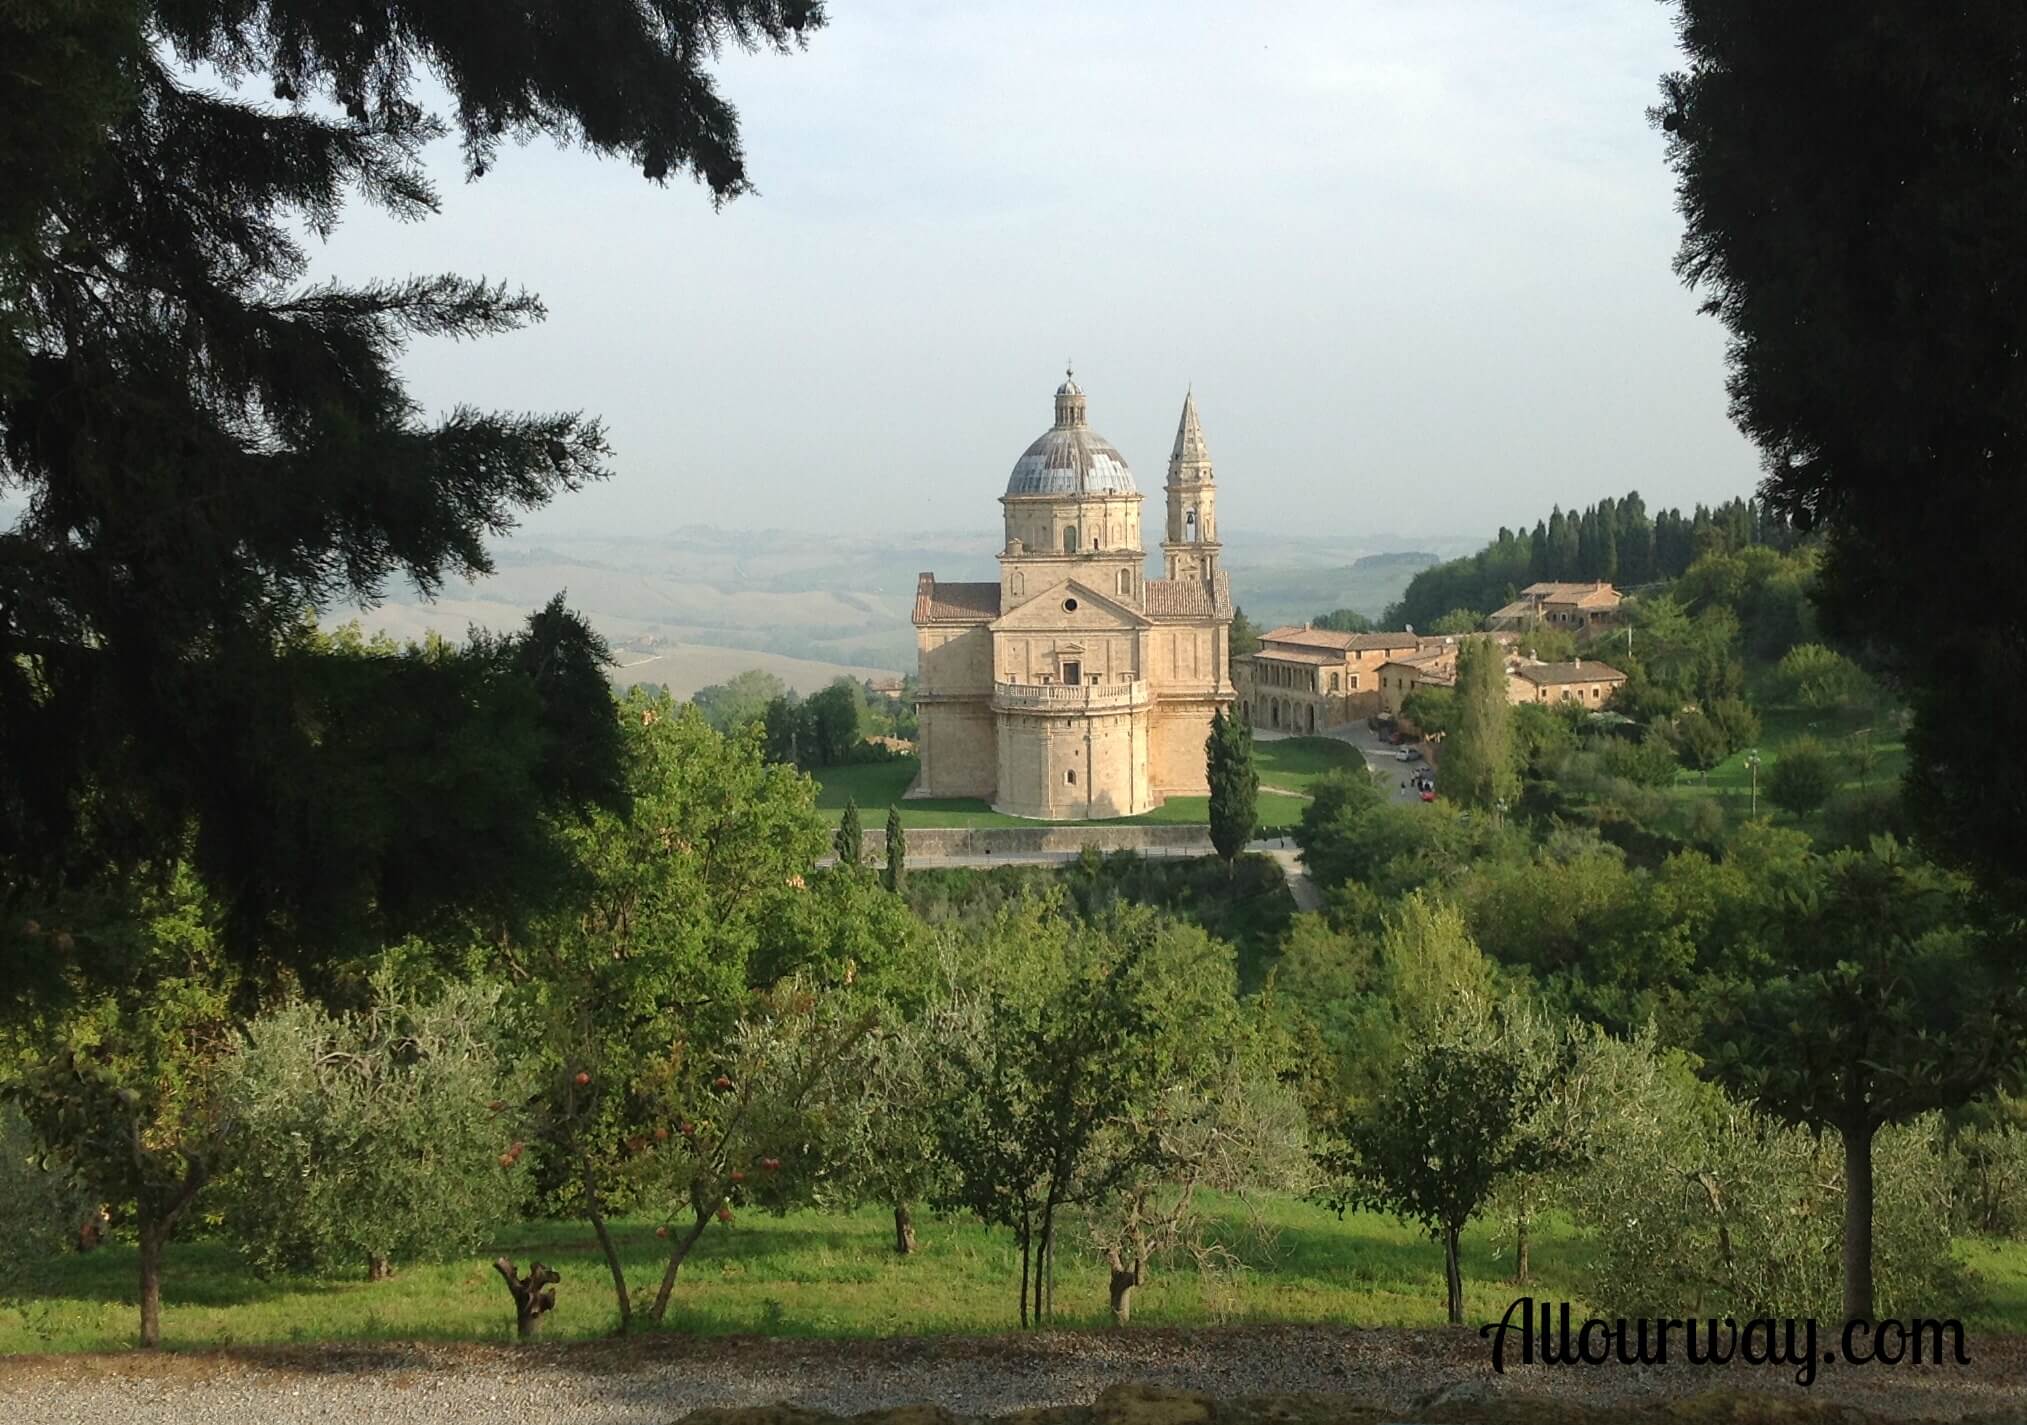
(706, 603)
(1292, 594)
(688, 668)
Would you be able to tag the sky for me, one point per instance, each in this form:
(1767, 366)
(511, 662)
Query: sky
(1413, 255)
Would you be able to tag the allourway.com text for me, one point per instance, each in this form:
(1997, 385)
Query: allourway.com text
(1545, 1335)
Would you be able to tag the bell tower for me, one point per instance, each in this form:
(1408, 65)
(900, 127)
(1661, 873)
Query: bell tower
(1190, 547)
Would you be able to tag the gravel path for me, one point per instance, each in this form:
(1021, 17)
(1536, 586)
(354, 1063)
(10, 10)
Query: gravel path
(657, 1380)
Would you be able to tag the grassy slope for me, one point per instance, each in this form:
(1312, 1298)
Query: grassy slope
(1779, 727)
(1291, 764)
(813, 1274)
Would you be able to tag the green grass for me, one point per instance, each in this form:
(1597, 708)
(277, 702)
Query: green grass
(1293, 763)
(814, 1274)
(1779, 727)
(878, 785)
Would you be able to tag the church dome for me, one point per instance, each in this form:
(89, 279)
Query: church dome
(1069, 458)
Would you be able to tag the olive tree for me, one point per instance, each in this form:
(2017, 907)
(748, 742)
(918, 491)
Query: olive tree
(372, 1138)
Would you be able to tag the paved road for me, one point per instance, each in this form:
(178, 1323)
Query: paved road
(1380, 758)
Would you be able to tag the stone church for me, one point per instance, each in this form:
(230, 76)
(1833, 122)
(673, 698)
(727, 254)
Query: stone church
(1074, 686)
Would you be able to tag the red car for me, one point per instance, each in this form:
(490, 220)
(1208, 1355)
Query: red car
(1428, 794)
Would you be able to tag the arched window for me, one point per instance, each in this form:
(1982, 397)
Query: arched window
(1069, 539)
(1070, 777)
(1189, 527)
(1333, 682)
(1125, 583)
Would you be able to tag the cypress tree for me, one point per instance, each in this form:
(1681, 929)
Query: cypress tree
(850, 837)
(897, 852)
(1234, 783)
(1478, 762)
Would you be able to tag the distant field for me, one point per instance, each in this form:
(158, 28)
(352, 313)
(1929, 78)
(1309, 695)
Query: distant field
(690, 667)
(878, 785)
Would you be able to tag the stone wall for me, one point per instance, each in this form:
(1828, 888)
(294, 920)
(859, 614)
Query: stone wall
(932, 841)
(955, 741)
(1068, 768)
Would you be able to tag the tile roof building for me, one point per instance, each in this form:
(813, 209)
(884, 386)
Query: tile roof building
(1074, 686)
(1580, 608)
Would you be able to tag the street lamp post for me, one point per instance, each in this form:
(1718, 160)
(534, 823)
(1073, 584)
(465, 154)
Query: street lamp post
(1752, 762)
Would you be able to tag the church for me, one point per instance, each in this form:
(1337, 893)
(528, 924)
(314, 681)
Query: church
(1074, 686)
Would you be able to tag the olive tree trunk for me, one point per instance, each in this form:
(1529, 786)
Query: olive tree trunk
(1453, 1276)
(534, 1295)
(1858, 1223)
(904, 1230)
(1124, 1279)
(152, 1237)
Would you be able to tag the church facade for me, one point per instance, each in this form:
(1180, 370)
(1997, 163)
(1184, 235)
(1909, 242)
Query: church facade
(1075, 687)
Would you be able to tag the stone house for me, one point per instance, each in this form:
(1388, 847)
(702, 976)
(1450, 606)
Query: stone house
(1589, 683)
(1580, 609)
(1309, 679)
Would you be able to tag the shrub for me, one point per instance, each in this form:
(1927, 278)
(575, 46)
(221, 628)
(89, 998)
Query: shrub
(372, 1138)
(1698, 1204)
(40, 1211)
(1814, 677)
(1650, 762)
(1740, 723)
(1853, 818)
(1988, 1160)
(1802, 777)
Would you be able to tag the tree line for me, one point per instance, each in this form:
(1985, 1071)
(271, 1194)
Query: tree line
(1615, 541)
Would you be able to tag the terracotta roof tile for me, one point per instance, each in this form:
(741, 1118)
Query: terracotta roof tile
(954, 603)
(1188, 598)
(1550, 674)
(1343, 642)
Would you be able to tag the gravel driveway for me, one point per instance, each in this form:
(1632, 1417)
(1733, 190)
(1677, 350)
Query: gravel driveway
(659, 1379)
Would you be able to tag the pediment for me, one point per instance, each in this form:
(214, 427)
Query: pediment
(1045, 612)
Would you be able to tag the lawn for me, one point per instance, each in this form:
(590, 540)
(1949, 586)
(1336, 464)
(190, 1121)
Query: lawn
(1779, 727)
(1292, 763)
(814, 1274)
(875, 786)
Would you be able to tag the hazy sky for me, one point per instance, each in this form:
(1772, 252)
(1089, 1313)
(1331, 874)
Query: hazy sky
(1414, 255)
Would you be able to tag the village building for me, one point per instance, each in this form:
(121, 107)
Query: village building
(1311, 679)
(1580, 609)
(1074, 686)
(1588, 682)
(1528, 680)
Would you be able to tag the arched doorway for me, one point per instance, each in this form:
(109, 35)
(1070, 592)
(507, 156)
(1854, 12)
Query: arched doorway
(1312, 717)
(1274, 712)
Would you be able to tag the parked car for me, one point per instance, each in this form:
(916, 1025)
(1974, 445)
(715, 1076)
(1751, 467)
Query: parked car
(1404, 755)
(1411, 754)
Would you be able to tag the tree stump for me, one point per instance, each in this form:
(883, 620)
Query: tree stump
(531, 1298)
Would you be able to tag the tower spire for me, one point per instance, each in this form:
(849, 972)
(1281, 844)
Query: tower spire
(1191, 548)
(1190, 452)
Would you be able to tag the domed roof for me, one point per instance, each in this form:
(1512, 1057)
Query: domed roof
(1069, 458)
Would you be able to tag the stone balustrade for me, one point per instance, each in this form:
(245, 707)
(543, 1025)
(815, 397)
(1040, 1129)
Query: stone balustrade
(1070, 697)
